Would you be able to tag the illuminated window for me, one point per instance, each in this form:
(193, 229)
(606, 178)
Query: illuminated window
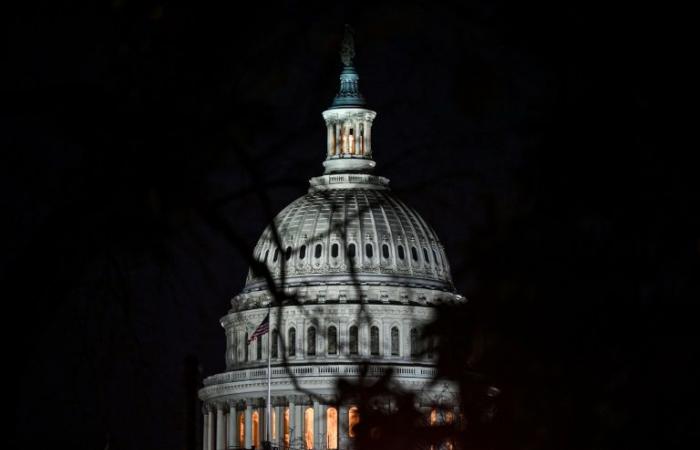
(331, 428)
(353, 340)
(332, 340)
(433, 416)
(374, 340)
(256, 429)
(311, 341)
(292, 338)
(353, 419)
(286, 427)
(309, 428)
(394, 341)
(241, 429)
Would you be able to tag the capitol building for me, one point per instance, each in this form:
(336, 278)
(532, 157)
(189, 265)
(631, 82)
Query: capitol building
(346, 277)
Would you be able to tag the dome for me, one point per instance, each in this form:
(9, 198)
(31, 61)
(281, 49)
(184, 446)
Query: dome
(351, 218)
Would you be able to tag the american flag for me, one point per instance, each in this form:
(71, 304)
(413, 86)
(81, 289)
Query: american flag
(263, 328)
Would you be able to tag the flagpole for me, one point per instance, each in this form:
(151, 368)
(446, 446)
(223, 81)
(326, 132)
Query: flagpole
(269, 374)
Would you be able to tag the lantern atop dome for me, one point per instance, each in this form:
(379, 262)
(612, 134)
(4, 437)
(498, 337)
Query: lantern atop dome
(349, 123)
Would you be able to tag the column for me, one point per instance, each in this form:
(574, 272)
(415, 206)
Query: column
(279, 425)
(299, 426)
(343, 438)
(220, 428)
(329, 129)
(368, 140)
(205, 430)
(248, 424)
(292, 421)
(211, 429)
(338, 140)
(232, 425)
(356, 132)
(320, 440)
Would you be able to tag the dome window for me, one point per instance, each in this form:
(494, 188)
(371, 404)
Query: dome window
(276, 255)
(267, 253)
(414, 253)
(292, 341)
(394, 341)
(385, 251)
(288, 253)
(351, 251)
(425, 255)
(332, 340)
(334, 250)
(302, 252)
(374, 341)
(369, 251)
(317, 251)
(353, 340)
(401, 253)
(311, 341)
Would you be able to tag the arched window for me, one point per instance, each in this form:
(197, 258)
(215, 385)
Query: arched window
(374, 341)
(245, 348)
(288, 253)
(302, 252)
(414, 253)
(258, 349)
(332, 428)
(414, 342)
(385, 251)
(332, 340)
(351, 251)
(353, 340)
(425, 255)
(334, 250)
(276, 255)
(292, 338)
(309, 428)
(256, 428)
(369, 251)
(274, 344)
(311, 341)
(353, 419)
(394, 341)
(241, 429)
(267, 253)
(317, 251)
(401, 253)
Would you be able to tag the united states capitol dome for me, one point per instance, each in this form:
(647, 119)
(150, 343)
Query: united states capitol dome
(350, 228)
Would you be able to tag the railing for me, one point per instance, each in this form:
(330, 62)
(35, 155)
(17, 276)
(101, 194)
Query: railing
(318, 371)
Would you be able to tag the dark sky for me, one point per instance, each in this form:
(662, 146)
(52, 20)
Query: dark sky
(536, 138)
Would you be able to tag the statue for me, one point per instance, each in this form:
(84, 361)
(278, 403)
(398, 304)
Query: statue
(347, 51)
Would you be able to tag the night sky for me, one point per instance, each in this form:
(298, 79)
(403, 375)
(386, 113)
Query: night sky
(147, 145)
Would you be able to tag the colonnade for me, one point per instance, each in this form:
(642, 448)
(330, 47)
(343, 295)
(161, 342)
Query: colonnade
(298, 422)
(349, 137)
